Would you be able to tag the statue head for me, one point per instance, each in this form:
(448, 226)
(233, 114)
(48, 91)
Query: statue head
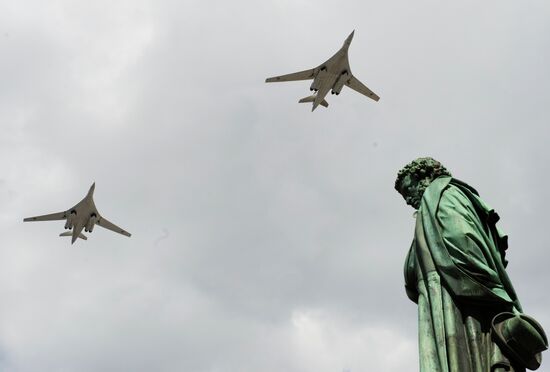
(416, 176)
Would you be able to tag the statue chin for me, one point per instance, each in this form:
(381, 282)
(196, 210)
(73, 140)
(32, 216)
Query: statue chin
(415, 203)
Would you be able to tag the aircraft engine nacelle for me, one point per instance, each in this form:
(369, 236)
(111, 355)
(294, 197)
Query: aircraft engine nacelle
(318, 79)
(91, 223)
(337, 88)
(70, 220)
(315, 85)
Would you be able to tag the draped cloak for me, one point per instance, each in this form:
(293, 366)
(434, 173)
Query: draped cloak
(455, 272)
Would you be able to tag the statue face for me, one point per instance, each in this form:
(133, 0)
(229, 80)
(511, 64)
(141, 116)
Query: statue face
(411, 189)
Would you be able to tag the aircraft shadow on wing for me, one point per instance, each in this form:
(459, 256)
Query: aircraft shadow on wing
(331, 76)
(83, 216)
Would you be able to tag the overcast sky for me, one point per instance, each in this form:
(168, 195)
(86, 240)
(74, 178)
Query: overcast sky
(266, 238)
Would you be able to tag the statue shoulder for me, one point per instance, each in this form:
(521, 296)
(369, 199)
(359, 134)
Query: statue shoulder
(432, 194)
(450, 191)
(454, 196)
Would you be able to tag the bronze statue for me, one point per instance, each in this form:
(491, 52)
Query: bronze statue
(470, 319)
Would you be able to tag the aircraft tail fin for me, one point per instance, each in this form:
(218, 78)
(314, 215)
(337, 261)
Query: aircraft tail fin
(323, 103)
(69, 233)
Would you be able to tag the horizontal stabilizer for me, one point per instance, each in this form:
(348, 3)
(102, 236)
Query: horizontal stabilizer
(70, 233)
(307, 99)
(323, 103)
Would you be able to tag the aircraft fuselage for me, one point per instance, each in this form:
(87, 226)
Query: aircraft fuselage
(331, 75)
(82, 216)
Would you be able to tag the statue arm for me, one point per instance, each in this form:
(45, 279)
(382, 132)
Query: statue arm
(410, 275)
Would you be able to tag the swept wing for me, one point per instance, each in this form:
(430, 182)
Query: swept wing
(48, 217)
(302, 75)
(103, 222)
(358, 86)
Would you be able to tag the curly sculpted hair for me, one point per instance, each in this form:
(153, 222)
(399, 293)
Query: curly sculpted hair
(423, 169)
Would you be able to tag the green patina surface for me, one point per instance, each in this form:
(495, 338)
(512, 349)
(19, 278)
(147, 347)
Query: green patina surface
(455, 272)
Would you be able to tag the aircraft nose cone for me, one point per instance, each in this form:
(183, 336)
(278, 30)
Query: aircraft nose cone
(350, 37)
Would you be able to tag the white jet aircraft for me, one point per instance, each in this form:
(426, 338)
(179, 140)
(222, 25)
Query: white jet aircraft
(333, 74)
(84, 215)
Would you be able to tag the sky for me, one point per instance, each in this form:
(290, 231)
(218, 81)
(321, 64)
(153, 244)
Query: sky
(265, 237)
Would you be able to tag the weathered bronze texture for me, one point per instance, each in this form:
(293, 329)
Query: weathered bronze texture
(455, 272)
